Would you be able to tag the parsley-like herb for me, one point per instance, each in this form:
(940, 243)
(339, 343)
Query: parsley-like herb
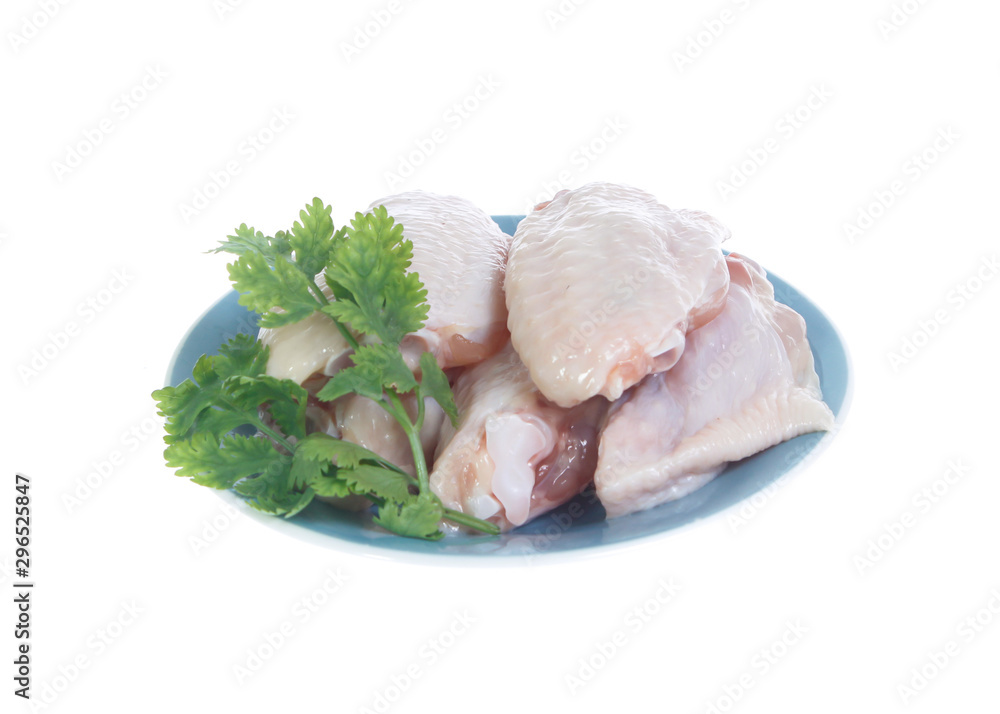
(281, 468)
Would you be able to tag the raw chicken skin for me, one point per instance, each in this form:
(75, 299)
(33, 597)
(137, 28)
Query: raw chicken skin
(746, 381)
(602, 285)
(460, 255)
(363, 422)
(299, 350)
(515, 455)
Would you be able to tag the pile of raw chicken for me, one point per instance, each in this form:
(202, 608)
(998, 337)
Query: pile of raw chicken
(610, 341)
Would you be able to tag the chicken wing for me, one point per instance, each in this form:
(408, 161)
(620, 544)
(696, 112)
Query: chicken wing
(515, 455)
(602, 285)
(746, 381)
(460, 255)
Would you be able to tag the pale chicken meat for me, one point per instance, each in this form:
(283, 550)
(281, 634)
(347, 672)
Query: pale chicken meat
(363, 422)
(460, 254)
(515, 455)
(745, 382)
(303, 348)
(602, 285)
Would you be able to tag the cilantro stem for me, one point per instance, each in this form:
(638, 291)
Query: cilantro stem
(264, 428)
(478, 524)
(274, 435)
(397, 409)
(413, 436)
(319, 294)
(419, 423)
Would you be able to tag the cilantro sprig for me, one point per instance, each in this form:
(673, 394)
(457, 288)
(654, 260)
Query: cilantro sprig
(375, 303)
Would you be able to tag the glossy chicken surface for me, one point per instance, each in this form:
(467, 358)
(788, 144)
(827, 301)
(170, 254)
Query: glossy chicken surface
(602, 285)
(515, 455)
(308, 346)
(460, 255)
(746, 381)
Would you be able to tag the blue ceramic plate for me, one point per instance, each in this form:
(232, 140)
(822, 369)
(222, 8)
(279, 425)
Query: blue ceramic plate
(579, 525)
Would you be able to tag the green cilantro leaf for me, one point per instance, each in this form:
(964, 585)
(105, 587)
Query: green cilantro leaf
(434, 384)
(191, 405)
(352, 380)
(331, 486)
(377, 367)
(311, 238)
(306, 471)
(270, 497)
(286, 401)
(367, 273)
(242, 356)
(222, 463)
(416, 518)
(248, 241)
(377, 481)
(324, 477)
(364, 471)
(280, 295)
(325, 449)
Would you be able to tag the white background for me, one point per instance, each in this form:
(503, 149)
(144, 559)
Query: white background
(215, 78)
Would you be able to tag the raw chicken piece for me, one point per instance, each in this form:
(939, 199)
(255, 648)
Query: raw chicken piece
(363, 422)
(299, 350)
(602, 285)
(460, 255)
(746, 381)
(515, 455)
